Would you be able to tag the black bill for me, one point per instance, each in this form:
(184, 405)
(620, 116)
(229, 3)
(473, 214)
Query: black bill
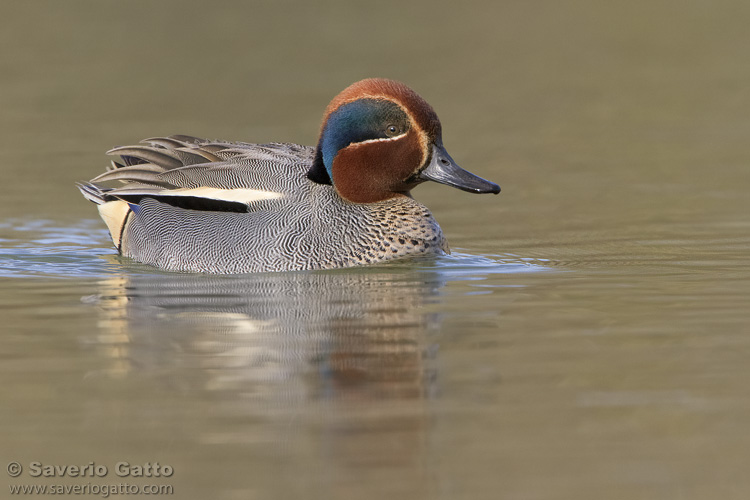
(444, 170)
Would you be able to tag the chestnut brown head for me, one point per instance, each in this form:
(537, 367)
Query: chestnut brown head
(379, 139)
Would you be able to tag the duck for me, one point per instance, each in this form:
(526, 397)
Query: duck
(182, 203)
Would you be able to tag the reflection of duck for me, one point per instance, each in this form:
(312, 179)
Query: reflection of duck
(360, 331)
(338, 361)
(308, 385)
(195, 205)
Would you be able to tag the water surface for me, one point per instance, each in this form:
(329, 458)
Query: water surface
(588, 338)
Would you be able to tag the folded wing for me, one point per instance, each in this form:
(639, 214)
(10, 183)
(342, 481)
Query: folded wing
(195, 174)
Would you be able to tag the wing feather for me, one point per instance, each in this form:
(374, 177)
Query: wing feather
(158, 156)
(199, 174)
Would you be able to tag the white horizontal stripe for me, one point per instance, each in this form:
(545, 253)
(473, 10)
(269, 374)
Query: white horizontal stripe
(380, 139)
(237, 195)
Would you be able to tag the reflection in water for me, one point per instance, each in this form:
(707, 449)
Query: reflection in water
(348, 350)
(350, 325)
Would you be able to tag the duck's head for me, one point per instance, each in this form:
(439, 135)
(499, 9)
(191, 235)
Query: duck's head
(379, 139)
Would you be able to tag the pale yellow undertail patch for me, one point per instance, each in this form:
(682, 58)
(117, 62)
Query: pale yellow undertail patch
(113, 213)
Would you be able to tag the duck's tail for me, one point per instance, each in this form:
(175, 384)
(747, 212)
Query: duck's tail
(93, 192)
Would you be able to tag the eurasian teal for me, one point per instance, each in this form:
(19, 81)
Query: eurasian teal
(189, 204)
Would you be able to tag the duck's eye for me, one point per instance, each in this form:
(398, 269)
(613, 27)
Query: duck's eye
(392, 130)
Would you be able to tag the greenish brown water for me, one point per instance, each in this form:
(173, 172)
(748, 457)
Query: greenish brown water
(588, 339)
